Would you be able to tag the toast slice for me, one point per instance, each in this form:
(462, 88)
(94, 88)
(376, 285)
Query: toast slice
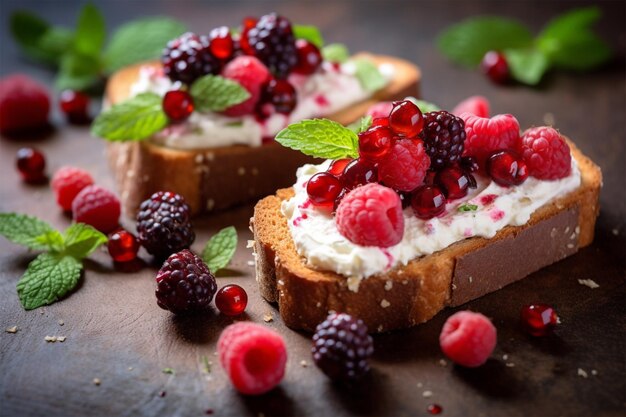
(217, 178)
(412, 294)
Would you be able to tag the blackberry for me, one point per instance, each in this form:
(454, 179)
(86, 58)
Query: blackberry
(163, 225)
(444, 137)
(341, 347)
(189, 57)
(184, 283)
(273, 42)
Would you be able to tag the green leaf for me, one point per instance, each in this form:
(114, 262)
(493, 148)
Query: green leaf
(336, 52)
(320, 138)
(169, 371)
(90, 32)
(52, 241)
(527, 65)
(571, 22)
(220, 249)
(48, 277)
(361, 125)
(369, 75)
(309, 33)
(135, 119)
(56, 42)
(216, 93)
(467, 42)
(81, 240)
(77, 72)
(424, 106)
(26, 230)
(468, 207)
(140, 40)
(38, 39)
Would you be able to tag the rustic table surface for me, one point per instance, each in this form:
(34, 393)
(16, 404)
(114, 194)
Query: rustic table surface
(116, 333)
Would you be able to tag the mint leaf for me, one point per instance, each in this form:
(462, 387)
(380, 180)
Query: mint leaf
(134, 119)
(81, 240)
(26, 230)
(361, 125)
(467, 42)
(90, 32)
(309, 33)
(468, 207)
(38, 39)
(52, 241)
(216, 93)
(369, 75)
(527, 65)
(77, 72)
(140, 40)
(424, 106)
(320, 138)
(336, 52)
(220, 249)
(55, 42)
(48, 277)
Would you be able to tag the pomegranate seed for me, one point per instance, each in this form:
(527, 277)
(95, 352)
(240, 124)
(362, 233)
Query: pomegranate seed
(380, 121)
(123, 246)
(340, 197)
(469, 164)
(231, 300)
(178, 105)
(406, 119)
(75, 106)
(31, 164)
(538, 319)
(505, 168)
(336, 167)
(359, 172)
(281, 94)
(221, 45)
(309, 57)
(247, 24)
(375, 142)
(323, 188)
(434, 409)
(494, 65)
(453, 181)
(428, 201)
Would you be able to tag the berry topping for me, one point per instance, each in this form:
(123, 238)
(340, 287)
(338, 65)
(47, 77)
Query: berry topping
(468, 338)
(67, 182)
(476, 105)
(380, 110)
(221, 43)
(31, 164)
(281, 95)
(163, 224)
(485, 136)
(434, 409)
(538, 319)
(97, 207)
(123, 246)
(75, 105)
(184, 283)
(342, 347)
(178, 105)
(443, 136)
(375, 142)
(428, 201)
(309, 57)
(323, 188)
(252, 75)
(253, 356)
(247, 24)
(188, 58)
(231, 300)
(468, 164)
(272, 41)
(336, 167)
(359, 172)
(505, 168)
(453, 181)
(24, 105)
(371, 215)
(406, 119)
(495, 66)
(546, 153)
(404, 167)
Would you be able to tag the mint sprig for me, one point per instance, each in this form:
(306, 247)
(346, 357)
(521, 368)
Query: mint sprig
(369, 75)
(216, 93)
(220, 249)
(309, 33)
(336, 52)
(467, 207)
(320, 138)
(424, 106)
(361, 125)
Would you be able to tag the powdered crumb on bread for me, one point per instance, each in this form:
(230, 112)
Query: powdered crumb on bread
(588, 283)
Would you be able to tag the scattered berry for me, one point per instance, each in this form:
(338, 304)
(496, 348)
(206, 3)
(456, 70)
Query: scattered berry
(371, 215)
(123, 246)
(444, 137)
(273, 43)
(323, 188)
(253, 356)
(231, 300)
(359, 172)
(24, 105)
(380, 110)
(505, 168)
(75, 105)
(252, 75)
(375, 142)
(67, 182)
(188, 58)
(184, 283)
(342, 347)
(485, 136)
(546, 153)
(468, 338)
(406, 119)
(177, 105)
(476, 105)
(404, 166)
(309, 57)
(336, 167)
(428, 201)
(453, 182)
(221, 43)
(31, 164)
(538, 319)
(97, 207)
(434, 409)
(163, 224)
(495, 66)
(281, 95)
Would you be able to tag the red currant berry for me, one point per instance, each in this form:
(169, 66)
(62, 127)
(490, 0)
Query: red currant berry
(323, 188)
(309, 57)
(359, 172)
(281, 94)
(31, 164)
(428, 201)
(75, 105)
(178, 105)
(505, 168)
(123, 246)
(380, 121)
(494, 65)
(336, 167)
(231, 300)
(434, 409)
(375, 142)
(406, 119)
(453, 182)
(221, 45)
(538, 319)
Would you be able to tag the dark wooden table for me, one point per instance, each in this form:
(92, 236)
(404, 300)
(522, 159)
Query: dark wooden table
(116, 333)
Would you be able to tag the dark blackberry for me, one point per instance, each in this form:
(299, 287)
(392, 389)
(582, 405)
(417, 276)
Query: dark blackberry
(341, 347)
(189, 57)
(273, 42)
(163, 225)
(184, 283)
(444, 137)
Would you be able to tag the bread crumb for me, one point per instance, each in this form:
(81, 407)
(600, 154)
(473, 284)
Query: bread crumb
(12, 329)
(281, 282)
(210, 203)
(388, 285)
(505, 357)
(427, 394)
(442, 362)
(210, 156)
(61, 323)
(570, 246)
(50, 339)
(553, 232)
(453, 286)
(406, 281)
(250, 244)
(268, 318)
(241, 171)
(420, 385)
(577, 230)
(96, 381)
(250, 263)
(582, 372)
(594, 372)
(318, 305)
(558, 319)
(380, 328)
(199, 158)
(573, 236)
(615, 231)
(130, 368)
(303, 363)
(588, 283)
(61, 339)
(510, 365)
(353, 284)
(566, 230)
(384, 303)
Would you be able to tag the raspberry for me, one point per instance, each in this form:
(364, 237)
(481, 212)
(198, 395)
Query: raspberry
(477, 105)
(24, 104)
(381, 109)
(443, 136)
(485, 136)
(251, 74)
(163, 225)
(67, 182)
(273, 43)
(189, 57)
(371, 215)
(546, 153)
(97, 207)
(468, 338)
(184, 283)
(404, 166)
(253, 356)
(341, 347)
